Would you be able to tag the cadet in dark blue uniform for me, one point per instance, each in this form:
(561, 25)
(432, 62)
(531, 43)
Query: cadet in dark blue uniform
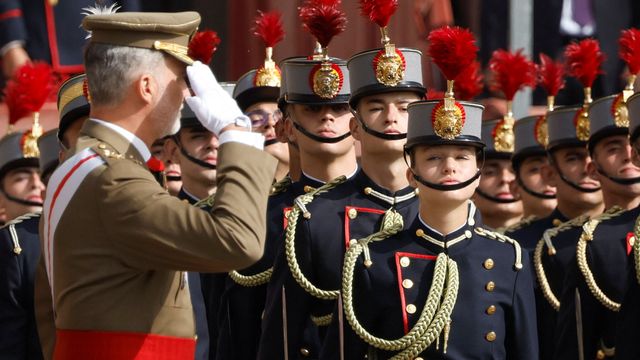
(308, 268)
(594, 285)
(497, 203)
(444, 287)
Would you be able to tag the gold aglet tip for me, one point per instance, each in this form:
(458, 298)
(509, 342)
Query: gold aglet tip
(449, 100)
(587, 97)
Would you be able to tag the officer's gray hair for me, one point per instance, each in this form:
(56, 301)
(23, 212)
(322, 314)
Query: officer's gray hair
(110, 70)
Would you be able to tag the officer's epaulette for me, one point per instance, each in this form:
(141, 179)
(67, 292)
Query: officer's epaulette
(109, 153)
(581, 256)
(505, 239)
(11, 226)
(281, 186)
(517, 226)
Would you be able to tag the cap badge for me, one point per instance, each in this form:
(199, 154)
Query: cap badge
(326, 80)
(267, 76)
(448, 123)
(389, 66)
(541, 131)
(620, 112)
(581, 122)
(503, 138)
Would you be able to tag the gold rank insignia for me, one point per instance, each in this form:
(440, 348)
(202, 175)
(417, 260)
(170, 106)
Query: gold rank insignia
(619, 111)
(541, 131)
(448, 121)
(326, 80)
(503, 138)
(389, 65)
(581, 122)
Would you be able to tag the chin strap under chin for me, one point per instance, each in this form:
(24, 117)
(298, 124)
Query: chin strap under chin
(571, 183)
(20, 201)
(270, 142)
(617, 180)
(192, 158)
(534, 193)
(495, 199)
(378, 134)
(446, 187)
(321, 139)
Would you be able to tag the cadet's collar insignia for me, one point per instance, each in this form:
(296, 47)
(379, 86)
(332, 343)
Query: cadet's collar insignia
(389, 66)
(85, 90)
(29, 144)
(619, 111)
(541, 131)
(581, 123)
(503, 138)
(326, 80)
(268, 75)
(448, 118)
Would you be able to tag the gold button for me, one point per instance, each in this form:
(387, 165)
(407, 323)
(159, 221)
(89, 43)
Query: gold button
(490, 286)
(102, 146)
(420, 232)
(411, 309)
(556, 222)
(107, 152)
(488, 264)
(407, 283)
(352, 213)
(600, 355)
(491, 310)
(467, 234)
(367, 190)
(305, 352)
(491, 336)
(307, 189)
(404, 261)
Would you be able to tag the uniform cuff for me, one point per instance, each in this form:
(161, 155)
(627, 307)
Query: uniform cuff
(244, 137)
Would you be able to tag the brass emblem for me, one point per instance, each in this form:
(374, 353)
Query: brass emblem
(448, 123)
(581, 122)
(541, 131)
(267, 76)
(389, 67)
(326, 80)
(503, 138)
(29, 143)
(620, 112)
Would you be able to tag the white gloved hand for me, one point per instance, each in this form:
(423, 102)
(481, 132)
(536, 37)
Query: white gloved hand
(213, 106)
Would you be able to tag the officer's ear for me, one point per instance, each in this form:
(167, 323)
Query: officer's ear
(146, 87)
(592, 172)
(549, 175)
(171, 151)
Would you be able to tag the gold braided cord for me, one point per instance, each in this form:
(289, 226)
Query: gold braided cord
(324, 320)
(551, 298)
(517, 226)
(281, 186)
(505, 239)
(442, 319)
(636, 248)
(258, 279)
(208, 201)
(290, 248)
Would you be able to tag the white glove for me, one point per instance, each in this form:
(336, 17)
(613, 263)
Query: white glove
(213, 106)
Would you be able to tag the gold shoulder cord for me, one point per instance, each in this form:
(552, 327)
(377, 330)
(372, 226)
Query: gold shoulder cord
(281, 186)
(208, 201)
(290, 235)
(505, 239)
(583, 265)
(435, 316)
(517, 226)
(11, 226)
(537, 257)
(636, 248)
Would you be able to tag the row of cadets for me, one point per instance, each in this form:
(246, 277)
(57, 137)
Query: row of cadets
(307, 272)
(495, 197)
(19, 238)
(595, 284)
(443, 286)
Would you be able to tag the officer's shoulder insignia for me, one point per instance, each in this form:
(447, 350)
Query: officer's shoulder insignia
(281, 186)
(107, 152)
(519, 225)
(11, 227)
(493, 235)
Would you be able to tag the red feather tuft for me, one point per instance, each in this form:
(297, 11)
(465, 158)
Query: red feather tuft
(469, 84)
(630, 49)
(433, 94)
(155, 165)
(550, 75)
(27, 91)
(323, 19)
(379, 11)
(512, 72)
(453, 49)
(203, 45)
(269, 27)
(583, 60)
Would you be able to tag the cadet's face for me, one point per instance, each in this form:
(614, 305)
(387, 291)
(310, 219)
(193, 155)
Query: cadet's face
(328, 121)
(202, 145)
(573, 162)
(444, 165)
(496, 179)
(613, 156)
(171, 167)
(530, 174)
(265, 116)
(24, 184)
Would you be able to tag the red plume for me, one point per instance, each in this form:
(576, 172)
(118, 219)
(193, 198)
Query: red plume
(583, 60)
(203, 45)
(469, 82)
(630, 49)
(453, 49)
(27, 91)
(323, 19)
(512, 72)
(550, 75)
(269, 27)
(433, 94)
(379, 11)
(155, 165)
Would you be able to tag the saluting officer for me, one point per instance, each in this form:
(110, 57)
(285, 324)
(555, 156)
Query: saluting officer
(594, 285)
(117, 245)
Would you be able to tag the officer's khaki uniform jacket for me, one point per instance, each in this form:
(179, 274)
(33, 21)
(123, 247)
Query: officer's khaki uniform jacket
(123, 242)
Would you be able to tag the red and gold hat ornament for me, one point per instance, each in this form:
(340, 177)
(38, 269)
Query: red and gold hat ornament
(25, 94)
(551, 79)
(324, 19)
(389, 64)
(454, 50)
(268, 27)
(512, 71)
(629, 52)
(583, 60)
(203, 45)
